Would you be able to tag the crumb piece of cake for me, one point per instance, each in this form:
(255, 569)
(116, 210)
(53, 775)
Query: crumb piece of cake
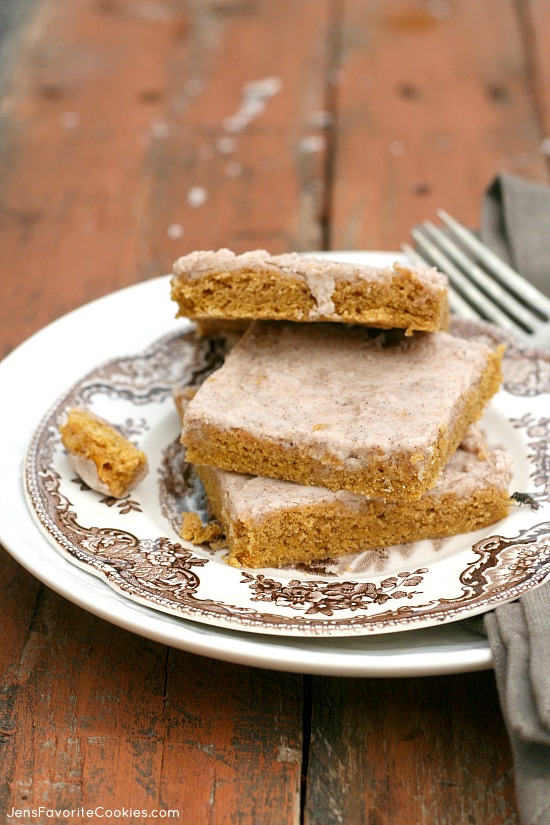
(105, 460)
(269, 523)
(182, 395)
(329, 405)
(193, 530)
(257, 285)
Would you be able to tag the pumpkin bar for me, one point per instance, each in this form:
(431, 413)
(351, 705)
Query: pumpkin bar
(257, 285)
(103, 458)
(269, 523)
(335, 406)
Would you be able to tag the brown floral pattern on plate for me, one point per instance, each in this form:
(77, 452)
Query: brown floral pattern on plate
(134, 546)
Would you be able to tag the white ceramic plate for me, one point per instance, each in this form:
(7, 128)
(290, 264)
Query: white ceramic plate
(130, 321)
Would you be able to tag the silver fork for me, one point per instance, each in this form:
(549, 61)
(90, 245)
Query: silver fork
(482, 284)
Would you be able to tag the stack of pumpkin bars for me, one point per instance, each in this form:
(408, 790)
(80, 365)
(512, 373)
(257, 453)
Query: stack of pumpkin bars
(343, 418)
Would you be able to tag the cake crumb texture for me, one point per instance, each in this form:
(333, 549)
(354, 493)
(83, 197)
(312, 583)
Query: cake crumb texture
(101, 455)
(269, 523)
(193, 530)
(256, 285)
(329, 405)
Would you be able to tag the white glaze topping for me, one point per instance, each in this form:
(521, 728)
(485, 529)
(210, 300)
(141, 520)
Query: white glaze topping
(319, 274)
(87, 470)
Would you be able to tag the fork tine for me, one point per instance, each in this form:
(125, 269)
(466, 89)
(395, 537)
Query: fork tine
(503, 297)
(509, 277)
(456, 302)
(485, 307)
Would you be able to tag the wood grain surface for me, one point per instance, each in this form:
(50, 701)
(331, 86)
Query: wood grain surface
(133, 131)
(402, 750)
(433, 101)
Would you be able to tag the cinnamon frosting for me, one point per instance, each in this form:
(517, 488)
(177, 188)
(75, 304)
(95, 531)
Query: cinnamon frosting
(320, 275)
(339, 391)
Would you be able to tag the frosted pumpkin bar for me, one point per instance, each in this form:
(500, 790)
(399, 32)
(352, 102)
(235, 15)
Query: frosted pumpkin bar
(257, 285)
(103, 458)
(269, 523)
(330, 405)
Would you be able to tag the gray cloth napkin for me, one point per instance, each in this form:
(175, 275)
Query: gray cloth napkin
(516, 224)
(519, 636)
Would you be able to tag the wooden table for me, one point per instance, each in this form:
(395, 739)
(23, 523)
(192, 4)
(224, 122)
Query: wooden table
(134, 131)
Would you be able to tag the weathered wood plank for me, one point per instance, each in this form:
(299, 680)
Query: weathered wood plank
(14, 15)
(534, 16)
(19, 596)
(132, 135)
(96, 716)
(413, 751)
(241, 756)
(433, 100)
(78, 118)
(240, 163)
